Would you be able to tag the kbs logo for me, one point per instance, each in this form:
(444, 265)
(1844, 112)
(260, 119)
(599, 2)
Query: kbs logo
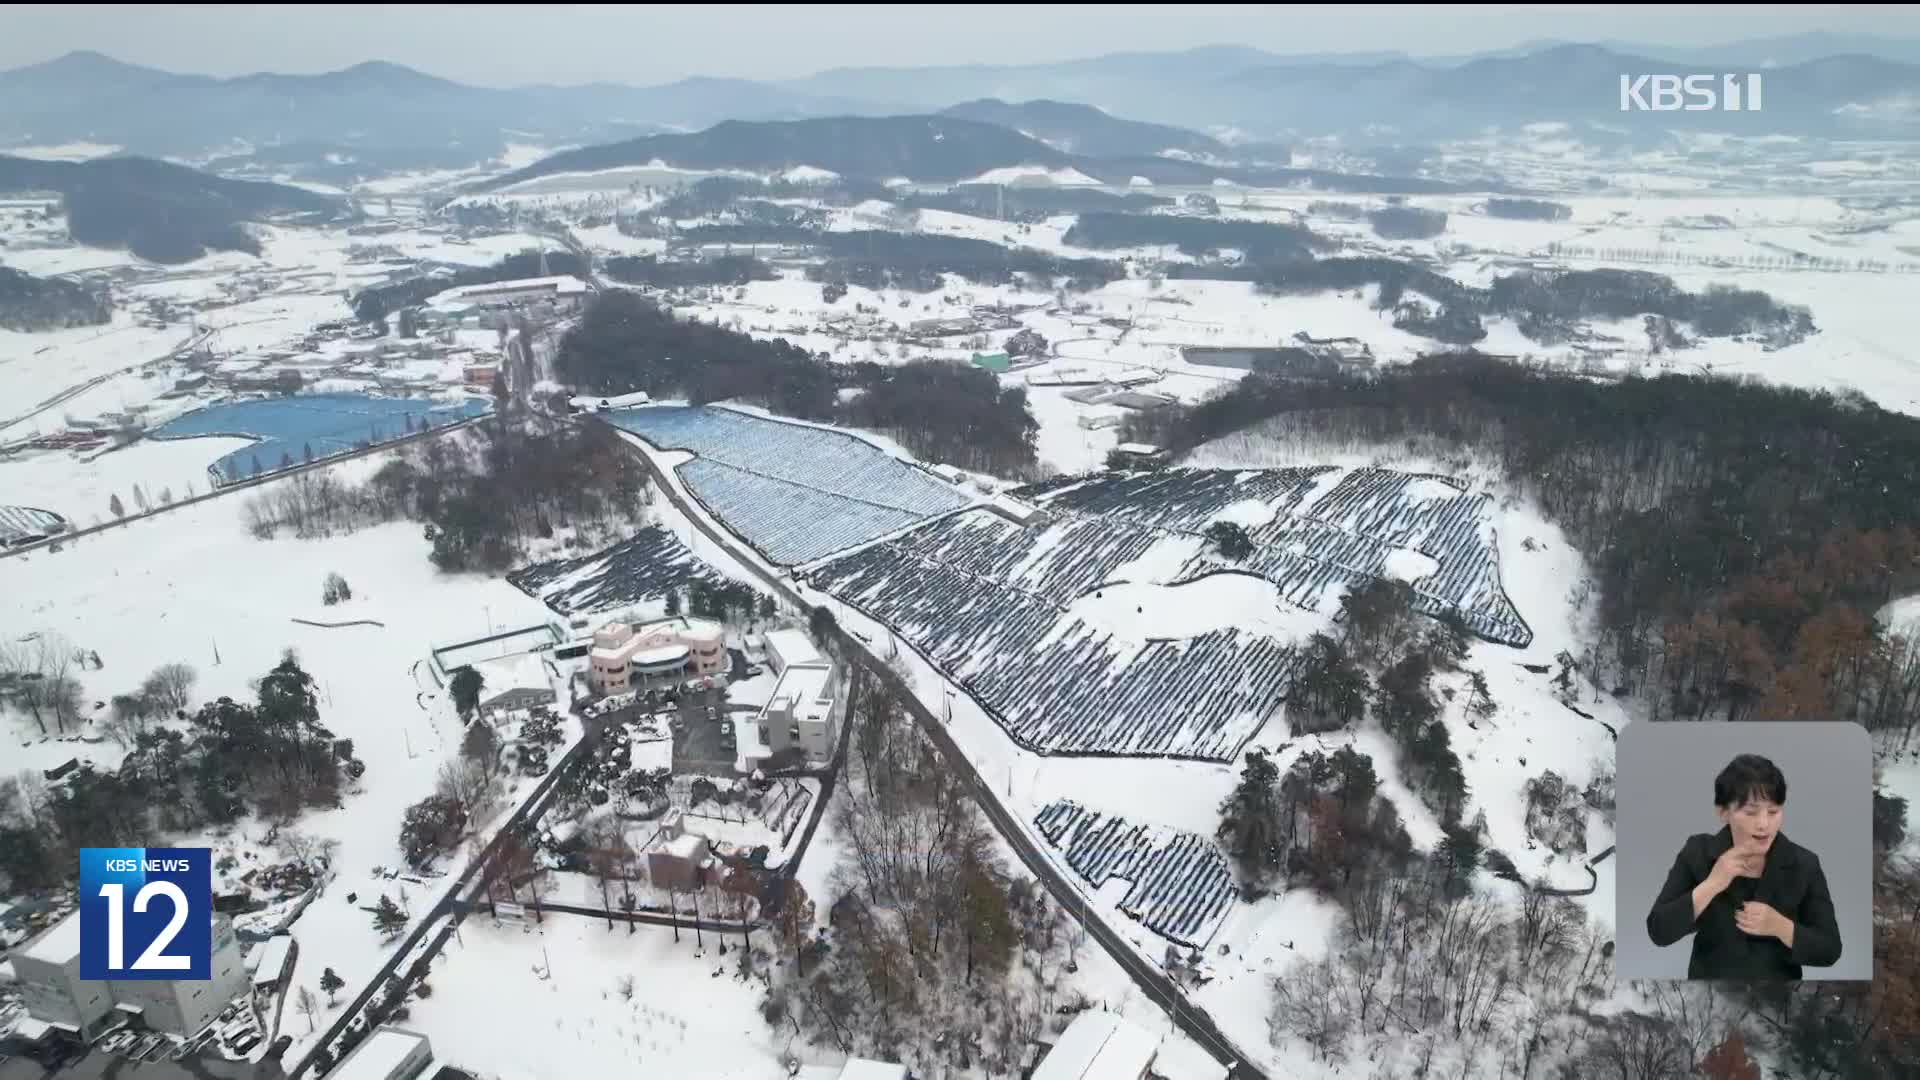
(146, 913)
(1689, 93)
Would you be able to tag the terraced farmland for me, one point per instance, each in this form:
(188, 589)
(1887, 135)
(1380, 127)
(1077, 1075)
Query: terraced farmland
(992, 603)
(1179, 886)
(796, 493)
(986, 600)
(1321, 537)
(639, 569)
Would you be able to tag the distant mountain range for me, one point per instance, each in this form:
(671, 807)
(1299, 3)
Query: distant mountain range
(378, 116)
(935, 149)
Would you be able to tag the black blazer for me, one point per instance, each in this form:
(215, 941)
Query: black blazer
(1790, 882)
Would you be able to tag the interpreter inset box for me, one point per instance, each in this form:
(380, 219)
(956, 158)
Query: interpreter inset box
(1745, 851)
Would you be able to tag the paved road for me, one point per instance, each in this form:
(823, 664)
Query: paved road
(449, 902)
(1191, 1020)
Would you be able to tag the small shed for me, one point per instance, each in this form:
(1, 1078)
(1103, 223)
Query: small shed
(998, 362)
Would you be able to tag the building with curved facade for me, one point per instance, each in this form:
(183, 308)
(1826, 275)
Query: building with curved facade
(627, 656)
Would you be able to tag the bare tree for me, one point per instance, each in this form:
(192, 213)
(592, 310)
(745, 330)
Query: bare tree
(473, 785)
(130, 718)
(607, 857)
(170, 686)
(1309, 1003)
(309, 1004)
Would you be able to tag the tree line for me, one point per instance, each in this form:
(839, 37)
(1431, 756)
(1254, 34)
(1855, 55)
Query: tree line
(1030, 204)
(914, 261)
(1546, 305)
(687, 273)
(32, 304)
(1257, 241)
(1741, 536)
(481, 497)
(939, 410)
(1528, 210)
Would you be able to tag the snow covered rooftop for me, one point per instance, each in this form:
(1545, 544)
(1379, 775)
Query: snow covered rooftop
(270, 958)
(1180, 1058)
(1098, 1045)
(380, 1056)
(562, 284)
(684, 846)
(59, 945)
(804, 688)
(793, 647)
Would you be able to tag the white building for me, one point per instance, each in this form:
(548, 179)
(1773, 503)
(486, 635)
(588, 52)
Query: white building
(54, 993)
(788, 647)
(1098, 1045)
(387, 1053)
(803, 713)
(48, 969)
(564, 289)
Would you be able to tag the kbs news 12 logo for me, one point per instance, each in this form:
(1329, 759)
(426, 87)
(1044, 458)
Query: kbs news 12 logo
(146, 913)
(1689, 93)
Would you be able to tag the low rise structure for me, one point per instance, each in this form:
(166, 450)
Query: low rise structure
(387, 1053)
(626, 656)
(563, 289)
(677, 858)
(1099, 1045)
(48, 969)
(786, 648)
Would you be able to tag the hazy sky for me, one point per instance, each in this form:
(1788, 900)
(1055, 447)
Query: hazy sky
(558, 43)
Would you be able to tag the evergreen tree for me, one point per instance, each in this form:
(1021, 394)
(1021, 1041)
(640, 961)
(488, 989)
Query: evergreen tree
(388, 918)
(1250, 822)
(116, 506)
(331, 982)
(465, 686)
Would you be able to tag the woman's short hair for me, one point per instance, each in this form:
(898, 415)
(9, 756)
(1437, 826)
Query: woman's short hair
(1749, 778)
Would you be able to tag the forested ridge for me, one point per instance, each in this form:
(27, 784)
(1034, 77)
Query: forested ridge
(35, 303)
(1741, 539)
(940, 411)
(159, 211)
(884, 259)
(1742, 536)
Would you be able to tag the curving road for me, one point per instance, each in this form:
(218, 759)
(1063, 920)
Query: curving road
(1191, 1020)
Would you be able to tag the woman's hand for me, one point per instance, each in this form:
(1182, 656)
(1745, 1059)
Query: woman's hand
(1760, 920)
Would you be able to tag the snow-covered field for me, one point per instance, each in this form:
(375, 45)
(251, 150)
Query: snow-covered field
(191, 585)
(548, 1002)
